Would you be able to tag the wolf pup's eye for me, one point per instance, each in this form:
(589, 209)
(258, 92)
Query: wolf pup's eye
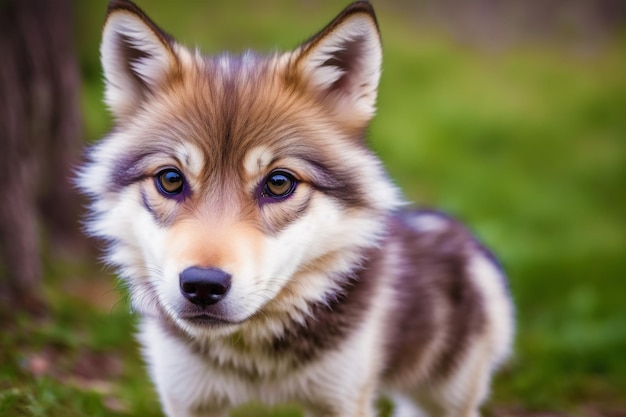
(279, 184)
(170, 182)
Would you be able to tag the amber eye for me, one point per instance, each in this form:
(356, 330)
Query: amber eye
(279, 184)
(170, 182)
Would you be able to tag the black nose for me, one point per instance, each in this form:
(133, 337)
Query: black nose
(204, 286)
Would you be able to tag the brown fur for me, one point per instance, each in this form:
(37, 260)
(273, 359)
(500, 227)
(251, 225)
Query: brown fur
(333, 271)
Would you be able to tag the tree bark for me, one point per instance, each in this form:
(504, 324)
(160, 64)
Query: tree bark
(40, 130)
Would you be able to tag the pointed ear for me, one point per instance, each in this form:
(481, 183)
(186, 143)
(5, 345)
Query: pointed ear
(136, 57)
(342, 63)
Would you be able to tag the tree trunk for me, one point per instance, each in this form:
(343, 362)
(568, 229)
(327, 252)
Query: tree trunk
(40, 134)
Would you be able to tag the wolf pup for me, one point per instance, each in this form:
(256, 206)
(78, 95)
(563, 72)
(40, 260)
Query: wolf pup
(263, 245)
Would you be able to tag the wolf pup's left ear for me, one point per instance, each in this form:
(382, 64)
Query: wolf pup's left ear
(342, 63)
(136, 57)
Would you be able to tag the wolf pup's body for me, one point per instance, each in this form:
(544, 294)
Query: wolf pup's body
(262, 242)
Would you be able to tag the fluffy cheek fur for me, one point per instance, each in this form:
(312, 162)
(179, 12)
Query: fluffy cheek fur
(136, 246)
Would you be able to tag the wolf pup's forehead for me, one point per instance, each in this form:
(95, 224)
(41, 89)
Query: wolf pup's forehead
(306, 104)
(337, 69)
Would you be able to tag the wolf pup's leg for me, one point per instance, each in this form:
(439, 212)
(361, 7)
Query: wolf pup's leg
(404, 406)
(468, 387)
(465, 391)
(471, 319)
(459, 395)
(462, 393)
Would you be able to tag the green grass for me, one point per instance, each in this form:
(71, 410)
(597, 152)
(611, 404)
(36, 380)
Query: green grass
(527, 145)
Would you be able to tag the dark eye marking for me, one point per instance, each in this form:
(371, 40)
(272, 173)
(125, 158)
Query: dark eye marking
(278, 185)
(170, 182)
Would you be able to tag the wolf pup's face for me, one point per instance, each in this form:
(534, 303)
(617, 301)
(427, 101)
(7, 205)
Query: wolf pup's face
(236, 188)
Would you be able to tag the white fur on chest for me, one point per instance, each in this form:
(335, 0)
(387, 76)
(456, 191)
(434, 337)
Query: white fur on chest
(229, 377)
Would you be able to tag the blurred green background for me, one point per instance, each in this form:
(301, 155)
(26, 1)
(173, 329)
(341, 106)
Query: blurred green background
(513, 124)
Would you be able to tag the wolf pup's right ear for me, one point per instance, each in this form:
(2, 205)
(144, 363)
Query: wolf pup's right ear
(136, 57)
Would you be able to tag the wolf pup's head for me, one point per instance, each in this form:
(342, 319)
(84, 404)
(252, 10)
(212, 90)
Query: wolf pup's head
(237, 188)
